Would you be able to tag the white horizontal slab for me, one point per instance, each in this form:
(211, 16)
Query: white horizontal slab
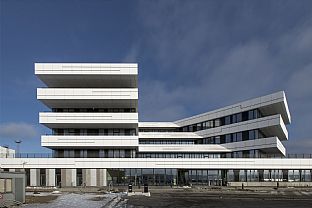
(272, 143)
(80, 120)
(158, 125)
(183, 163)
(271, 125)
(88, 75)
(87, 68)
(88, 141)
(275, 103)
(88, 97)
(87, 93)
(168, 135)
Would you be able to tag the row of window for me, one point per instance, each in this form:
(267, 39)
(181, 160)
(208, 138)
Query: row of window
(237, 154)
(87, 110)
(95, 153)
(156, 130)
(161, 176)
(5, 185)
(234, 137)
(235, 118)
(166, 141)
(103, 132)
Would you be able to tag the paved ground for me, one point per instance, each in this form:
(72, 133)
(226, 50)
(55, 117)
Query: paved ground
(223, 198)
(69, 200)
(264, 197)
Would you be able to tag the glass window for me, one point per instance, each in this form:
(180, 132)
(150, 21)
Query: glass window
(227, 120)
(217, 140)
(228, 138)
(238, 117)
(217, 122)
(2, 187)
(251, 135)
(250, 115)
(8, 185)
(204, 124)
(234, 137)
(234, 118)
(239, 136)
(199, 127)
(256, 132)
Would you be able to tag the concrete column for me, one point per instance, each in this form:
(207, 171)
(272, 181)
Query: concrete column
(236, 175)
(34, 177)
(104, 177)
(73, 177)
(84, 177)
(101, 177)
(91, 177)
(63, 177)
(69, 177)
(50, 177)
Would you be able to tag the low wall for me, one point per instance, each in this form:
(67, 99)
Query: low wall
(270, 184)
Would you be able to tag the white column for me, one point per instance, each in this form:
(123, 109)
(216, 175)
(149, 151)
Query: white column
(50, 177)
(92, 177)
(104, 177)
(73, 177)
(34, 177)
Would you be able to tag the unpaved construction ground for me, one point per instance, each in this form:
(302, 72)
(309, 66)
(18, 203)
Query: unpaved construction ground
(225, 198)
(179, 197)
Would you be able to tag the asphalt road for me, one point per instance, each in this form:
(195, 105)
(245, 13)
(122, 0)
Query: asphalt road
(241, 199)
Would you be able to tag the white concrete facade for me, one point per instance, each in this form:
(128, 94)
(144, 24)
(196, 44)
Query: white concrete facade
(96, 133)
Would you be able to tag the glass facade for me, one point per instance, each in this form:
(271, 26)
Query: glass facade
(206, 177)
(95, 132)
(227, 120)
(96, 110)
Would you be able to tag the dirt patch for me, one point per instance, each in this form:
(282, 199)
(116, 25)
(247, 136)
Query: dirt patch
(236, 199)
(40, 199)
(98, 198)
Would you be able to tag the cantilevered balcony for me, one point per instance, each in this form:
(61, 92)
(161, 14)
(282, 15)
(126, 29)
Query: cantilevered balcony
(89, 120)
(85, 75)
(53, 141)
(269, 145)
(270, 126)
(88, 97)
(271, 104)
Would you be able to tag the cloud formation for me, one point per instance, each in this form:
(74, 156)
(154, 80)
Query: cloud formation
(17, 131)
(208, 55)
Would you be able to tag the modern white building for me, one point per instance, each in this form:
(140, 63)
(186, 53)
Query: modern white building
(97, 139)
(6, 152)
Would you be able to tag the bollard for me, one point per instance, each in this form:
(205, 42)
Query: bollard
(242, 185)
(145, 189)
(130, 188)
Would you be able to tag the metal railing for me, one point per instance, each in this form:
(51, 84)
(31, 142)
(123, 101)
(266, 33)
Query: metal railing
(52, 155)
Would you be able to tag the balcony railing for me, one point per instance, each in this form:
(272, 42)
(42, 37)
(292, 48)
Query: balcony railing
(52, 155)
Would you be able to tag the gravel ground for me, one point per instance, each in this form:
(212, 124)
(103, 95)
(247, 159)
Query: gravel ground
(221, 198)
(281, 198)
(69, 200)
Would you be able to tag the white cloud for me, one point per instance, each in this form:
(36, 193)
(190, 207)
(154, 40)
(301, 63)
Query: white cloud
(215, 59)
(131, 56)
(17, 131)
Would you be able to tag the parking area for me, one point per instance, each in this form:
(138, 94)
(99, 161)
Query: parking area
(178, 197)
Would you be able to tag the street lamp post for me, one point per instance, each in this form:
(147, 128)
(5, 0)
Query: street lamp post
(18, 142)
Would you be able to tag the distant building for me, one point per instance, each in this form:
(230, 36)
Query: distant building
(97, 139)
(6, 152)
(12, 188)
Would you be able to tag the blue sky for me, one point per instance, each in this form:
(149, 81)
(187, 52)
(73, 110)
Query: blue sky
(193, 56)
